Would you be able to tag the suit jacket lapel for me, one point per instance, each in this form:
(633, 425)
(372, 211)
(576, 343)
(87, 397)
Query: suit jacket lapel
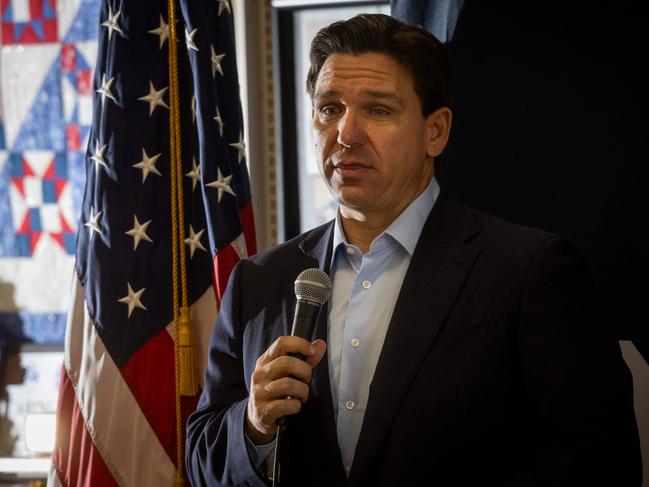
(437, 272)
(316, 249)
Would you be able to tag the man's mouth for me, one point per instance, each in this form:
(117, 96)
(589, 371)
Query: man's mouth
(350, 169)
(346, 165)
(350, 165)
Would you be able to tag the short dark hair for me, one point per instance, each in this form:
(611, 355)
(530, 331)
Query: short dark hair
(418, 50)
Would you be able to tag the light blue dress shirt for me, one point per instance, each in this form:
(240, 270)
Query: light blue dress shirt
(364, 293)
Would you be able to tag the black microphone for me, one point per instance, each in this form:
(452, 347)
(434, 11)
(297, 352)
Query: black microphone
(312, 290)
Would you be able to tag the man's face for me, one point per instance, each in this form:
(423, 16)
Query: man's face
(373, 146)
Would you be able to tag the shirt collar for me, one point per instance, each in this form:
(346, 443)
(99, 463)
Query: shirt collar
(408, 225)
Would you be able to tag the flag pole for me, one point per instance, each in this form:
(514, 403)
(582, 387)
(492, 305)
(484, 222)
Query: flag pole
(186, 384)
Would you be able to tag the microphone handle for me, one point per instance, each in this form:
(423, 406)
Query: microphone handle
(304, 322)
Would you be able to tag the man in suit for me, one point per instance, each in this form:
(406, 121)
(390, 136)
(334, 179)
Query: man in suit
(456, 347)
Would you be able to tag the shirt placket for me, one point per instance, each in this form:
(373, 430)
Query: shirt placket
(352, 397)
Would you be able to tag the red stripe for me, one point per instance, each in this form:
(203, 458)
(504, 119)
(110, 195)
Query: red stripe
(248, 225)
(75, 458)
(224, 262)
(227, 258)
(150, 374)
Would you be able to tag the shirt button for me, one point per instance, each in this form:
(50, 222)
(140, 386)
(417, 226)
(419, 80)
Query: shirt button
(348, 468)
(349, 405)
(355, 342)
(367, 284)
(350, 250)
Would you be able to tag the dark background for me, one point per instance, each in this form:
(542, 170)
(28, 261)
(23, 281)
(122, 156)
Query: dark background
(551, 130)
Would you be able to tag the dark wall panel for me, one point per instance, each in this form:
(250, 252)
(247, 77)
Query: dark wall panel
(551, 130)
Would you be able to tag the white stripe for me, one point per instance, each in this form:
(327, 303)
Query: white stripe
(203, 316)
(240, 247)
(120, 431)
(52, 477)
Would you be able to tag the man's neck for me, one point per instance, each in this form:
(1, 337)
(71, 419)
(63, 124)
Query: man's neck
(361, 231)
(361, 227)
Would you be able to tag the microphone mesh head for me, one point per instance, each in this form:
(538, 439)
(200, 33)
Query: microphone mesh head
(313, 285)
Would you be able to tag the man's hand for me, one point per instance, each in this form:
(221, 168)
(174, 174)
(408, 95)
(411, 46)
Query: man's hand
(280, 384)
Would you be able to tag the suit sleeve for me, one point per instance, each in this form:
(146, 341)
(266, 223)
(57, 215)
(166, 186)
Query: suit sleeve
(216, 453)
(576, 384)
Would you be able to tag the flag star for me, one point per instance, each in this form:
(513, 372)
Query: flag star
(147, 165)
(162, 31)
(240, 146)
(216, 62)
(194, 241)
(93, 222)
(219, 121)
(98, 156)
(222, 184)
(224, 5)
(133, 299)
(104, 89)
(155, 98)
(113, 22)
(189, 39)
(193, 109)
(194, 174)
(138, 232)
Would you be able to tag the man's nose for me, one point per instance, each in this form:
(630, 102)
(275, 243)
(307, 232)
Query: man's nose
(351, 130)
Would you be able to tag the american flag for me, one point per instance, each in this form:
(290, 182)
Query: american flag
(116, 422)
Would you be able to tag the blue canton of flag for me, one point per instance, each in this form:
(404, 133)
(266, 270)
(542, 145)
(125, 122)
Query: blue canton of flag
(120, 344)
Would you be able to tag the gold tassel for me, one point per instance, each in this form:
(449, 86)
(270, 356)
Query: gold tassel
(180, 482)
(188, 384)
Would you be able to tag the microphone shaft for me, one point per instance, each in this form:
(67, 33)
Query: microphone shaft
(304, 321)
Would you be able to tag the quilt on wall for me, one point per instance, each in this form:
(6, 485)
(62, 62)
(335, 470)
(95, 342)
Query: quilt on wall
(48, 51)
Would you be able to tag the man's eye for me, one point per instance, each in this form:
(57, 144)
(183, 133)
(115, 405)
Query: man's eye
(379, 112)
(329, 111)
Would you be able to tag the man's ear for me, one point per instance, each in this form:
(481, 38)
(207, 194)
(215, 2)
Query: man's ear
(438, 130)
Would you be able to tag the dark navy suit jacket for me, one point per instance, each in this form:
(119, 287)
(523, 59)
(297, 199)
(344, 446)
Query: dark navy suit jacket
(494, 370)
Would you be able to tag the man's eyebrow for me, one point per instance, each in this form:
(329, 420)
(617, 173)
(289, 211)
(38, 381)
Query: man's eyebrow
(382, 95)
(325, 94)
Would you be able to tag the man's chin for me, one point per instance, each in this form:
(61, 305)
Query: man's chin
(353, 200)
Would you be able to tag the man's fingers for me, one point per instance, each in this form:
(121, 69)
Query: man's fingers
(283, 407)
(261, 420)
(280, 384)
(289, 344)
(287, 387)
(265, 418)
(286, 366)
(320, 347)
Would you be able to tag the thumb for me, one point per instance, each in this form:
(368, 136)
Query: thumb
(320, 347)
